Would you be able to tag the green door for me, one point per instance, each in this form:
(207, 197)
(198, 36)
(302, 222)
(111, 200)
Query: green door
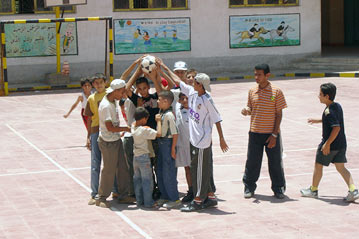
(351, 22)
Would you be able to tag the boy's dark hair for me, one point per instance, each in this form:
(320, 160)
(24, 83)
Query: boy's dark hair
(142, 80)
(141, 113)
(167, 94)
(192, 71)
(98, 76)
(122, 102)
(84, 80)
(264, 67)
(180, 95)
(329, 89)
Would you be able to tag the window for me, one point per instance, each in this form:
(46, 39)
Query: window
(28, 7)
(262, 3)
(135, 5)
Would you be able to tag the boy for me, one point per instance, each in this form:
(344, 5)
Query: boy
(333, 146)
(86, 92)
(142, 177)
(202, 115)
(166, 166)
(265, 105)
(183, 155)
(98, 81)
(191, 73)
(110, 144)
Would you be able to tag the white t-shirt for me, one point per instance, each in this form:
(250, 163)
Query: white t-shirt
(141, 135)
(202, 115)
(176, 93)
(108, 111)
(130, 112)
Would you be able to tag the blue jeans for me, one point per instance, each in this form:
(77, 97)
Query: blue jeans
(142, 180)
(166, 171)
(96, 166)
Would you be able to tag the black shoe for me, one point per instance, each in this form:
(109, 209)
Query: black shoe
(189, 197)
(156, 194)
(279, 195)
(192, 207)
(210, 203)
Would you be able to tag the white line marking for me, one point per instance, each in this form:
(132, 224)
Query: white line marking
(267, 177)
(45, 171)
(126, 219)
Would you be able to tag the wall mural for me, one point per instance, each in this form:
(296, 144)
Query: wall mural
(264, 30)
(39, 39)
(152, 35)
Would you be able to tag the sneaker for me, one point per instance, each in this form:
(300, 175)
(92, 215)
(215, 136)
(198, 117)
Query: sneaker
(248, 193)
(309, 193)
(103, 204)
(127, 200)
(188, 198)
(192, 207)
(172, 204)
(279, 195)
(115, 195)
(160, 202)
(352, 196)
(210, 203)
(92, 201)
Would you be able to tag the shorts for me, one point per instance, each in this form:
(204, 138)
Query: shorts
(335, 156)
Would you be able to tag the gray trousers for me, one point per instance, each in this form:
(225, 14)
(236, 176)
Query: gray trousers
(128, 147)
(114, 164)
(202, 172)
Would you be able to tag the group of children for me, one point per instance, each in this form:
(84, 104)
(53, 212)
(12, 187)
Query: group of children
(164, 130)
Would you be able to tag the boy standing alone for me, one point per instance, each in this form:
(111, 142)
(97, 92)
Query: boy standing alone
(265, 105)
(333, 146)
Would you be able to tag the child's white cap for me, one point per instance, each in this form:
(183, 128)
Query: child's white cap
(180, 66)
(115, 84)
(204, 80)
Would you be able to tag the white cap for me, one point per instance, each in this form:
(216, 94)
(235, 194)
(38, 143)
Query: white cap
(115, 84)
(204, 80)
(180, 65)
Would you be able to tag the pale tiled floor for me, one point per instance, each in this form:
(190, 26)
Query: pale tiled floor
(44, 174)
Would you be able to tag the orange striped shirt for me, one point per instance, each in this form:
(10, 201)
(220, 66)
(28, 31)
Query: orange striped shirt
(263, 104)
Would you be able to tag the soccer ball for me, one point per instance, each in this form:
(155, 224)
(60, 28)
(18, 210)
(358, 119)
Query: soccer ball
(148, 64)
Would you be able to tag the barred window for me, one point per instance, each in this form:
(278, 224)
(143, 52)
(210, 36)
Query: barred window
(28, 7)
(262, 3)
(130, 5)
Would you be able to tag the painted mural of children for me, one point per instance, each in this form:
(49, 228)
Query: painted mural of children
(147, 39)
(68, 38)
(174, 36)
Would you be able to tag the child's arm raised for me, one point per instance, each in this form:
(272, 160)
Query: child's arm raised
(132, 81)
(155, 78)
(172, 76)
(222, 141)
(79, 99)
(127, 72)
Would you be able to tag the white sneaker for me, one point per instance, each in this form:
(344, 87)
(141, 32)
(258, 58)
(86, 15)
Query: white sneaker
(172, 204)
(352, 196)
(309, 193)
(160, 202)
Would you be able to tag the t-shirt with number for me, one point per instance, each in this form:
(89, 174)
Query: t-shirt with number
(331, 117)
(202, 115)
(108, 112)
(150, 104)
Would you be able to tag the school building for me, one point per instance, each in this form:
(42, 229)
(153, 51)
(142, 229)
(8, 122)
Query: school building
(213, 36)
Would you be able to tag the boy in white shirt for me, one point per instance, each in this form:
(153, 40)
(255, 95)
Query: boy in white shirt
(202, 115)
(142, 177)
(110, 144)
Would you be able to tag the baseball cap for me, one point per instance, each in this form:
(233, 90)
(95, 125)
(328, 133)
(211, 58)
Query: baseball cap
(204, 80)
(180, 65)
(115, 84)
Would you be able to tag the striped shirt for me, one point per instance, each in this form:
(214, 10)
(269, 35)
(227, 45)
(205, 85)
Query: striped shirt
(263, 104)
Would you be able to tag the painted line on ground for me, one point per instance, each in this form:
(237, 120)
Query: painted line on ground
(267, 177)
(64, 170)
(40, 172)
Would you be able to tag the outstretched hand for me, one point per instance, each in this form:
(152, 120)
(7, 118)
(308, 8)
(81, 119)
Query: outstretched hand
(223, 145)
